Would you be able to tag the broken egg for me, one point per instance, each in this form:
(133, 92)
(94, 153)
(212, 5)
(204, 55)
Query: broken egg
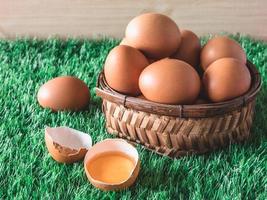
(67, 145)
(112, 164)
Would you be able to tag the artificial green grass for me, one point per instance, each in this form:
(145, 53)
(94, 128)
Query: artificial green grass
(28, 172)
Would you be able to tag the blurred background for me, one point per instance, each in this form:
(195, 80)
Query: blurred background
(98, 18)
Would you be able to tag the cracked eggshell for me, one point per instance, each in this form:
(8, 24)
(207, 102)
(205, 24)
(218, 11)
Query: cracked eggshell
(67, 145)
(113, 145)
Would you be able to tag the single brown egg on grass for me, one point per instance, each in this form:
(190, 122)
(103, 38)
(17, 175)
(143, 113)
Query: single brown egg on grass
(64, 93)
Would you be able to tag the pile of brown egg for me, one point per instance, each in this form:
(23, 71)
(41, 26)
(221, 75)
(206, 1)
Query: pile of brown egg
(161, 63)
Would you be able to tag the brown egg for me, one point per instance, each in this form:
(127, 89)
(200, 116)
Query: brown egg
(221, 47)
(123, 67)
(189, 49)
(64, 93)
(124, 42)
(170, 81)
(112, 164)
(156, 35)
(226, 79)
(67, 145)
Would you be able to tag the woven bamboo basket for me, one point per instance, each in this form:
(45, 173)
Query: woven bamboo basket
(178, 130)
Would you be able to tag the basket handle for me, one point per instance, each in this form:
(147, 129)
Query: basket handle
(101, 93)
(99, 78)
(110, 96)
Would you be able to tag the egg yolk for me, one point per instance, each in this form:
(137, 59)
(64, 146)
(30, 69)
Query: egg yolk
(111, 167)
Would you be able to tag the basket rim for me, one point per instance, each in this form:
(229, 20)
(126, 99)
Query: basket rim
(183, 111)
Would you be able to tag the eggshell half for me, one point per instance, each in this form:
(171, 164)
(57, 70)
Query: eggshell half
(67, 145)
(113, 145)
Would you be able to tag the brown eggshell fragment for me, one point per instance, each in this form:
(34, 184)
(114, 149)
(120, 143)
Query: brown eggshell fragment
(170, 81)
(221, 47)
(113, 145)
(64, 93)
(67, 145)
(122, 69)
(189, 49)
(156, 35)
(226, 79)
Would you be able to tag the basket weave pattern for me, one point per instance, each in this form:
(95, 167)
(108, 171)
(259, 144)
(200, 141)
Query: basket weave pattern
(174, 136)
(178, 130)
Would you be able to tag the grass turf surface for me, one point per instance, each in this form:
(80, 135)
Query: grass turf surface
(27, 170)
